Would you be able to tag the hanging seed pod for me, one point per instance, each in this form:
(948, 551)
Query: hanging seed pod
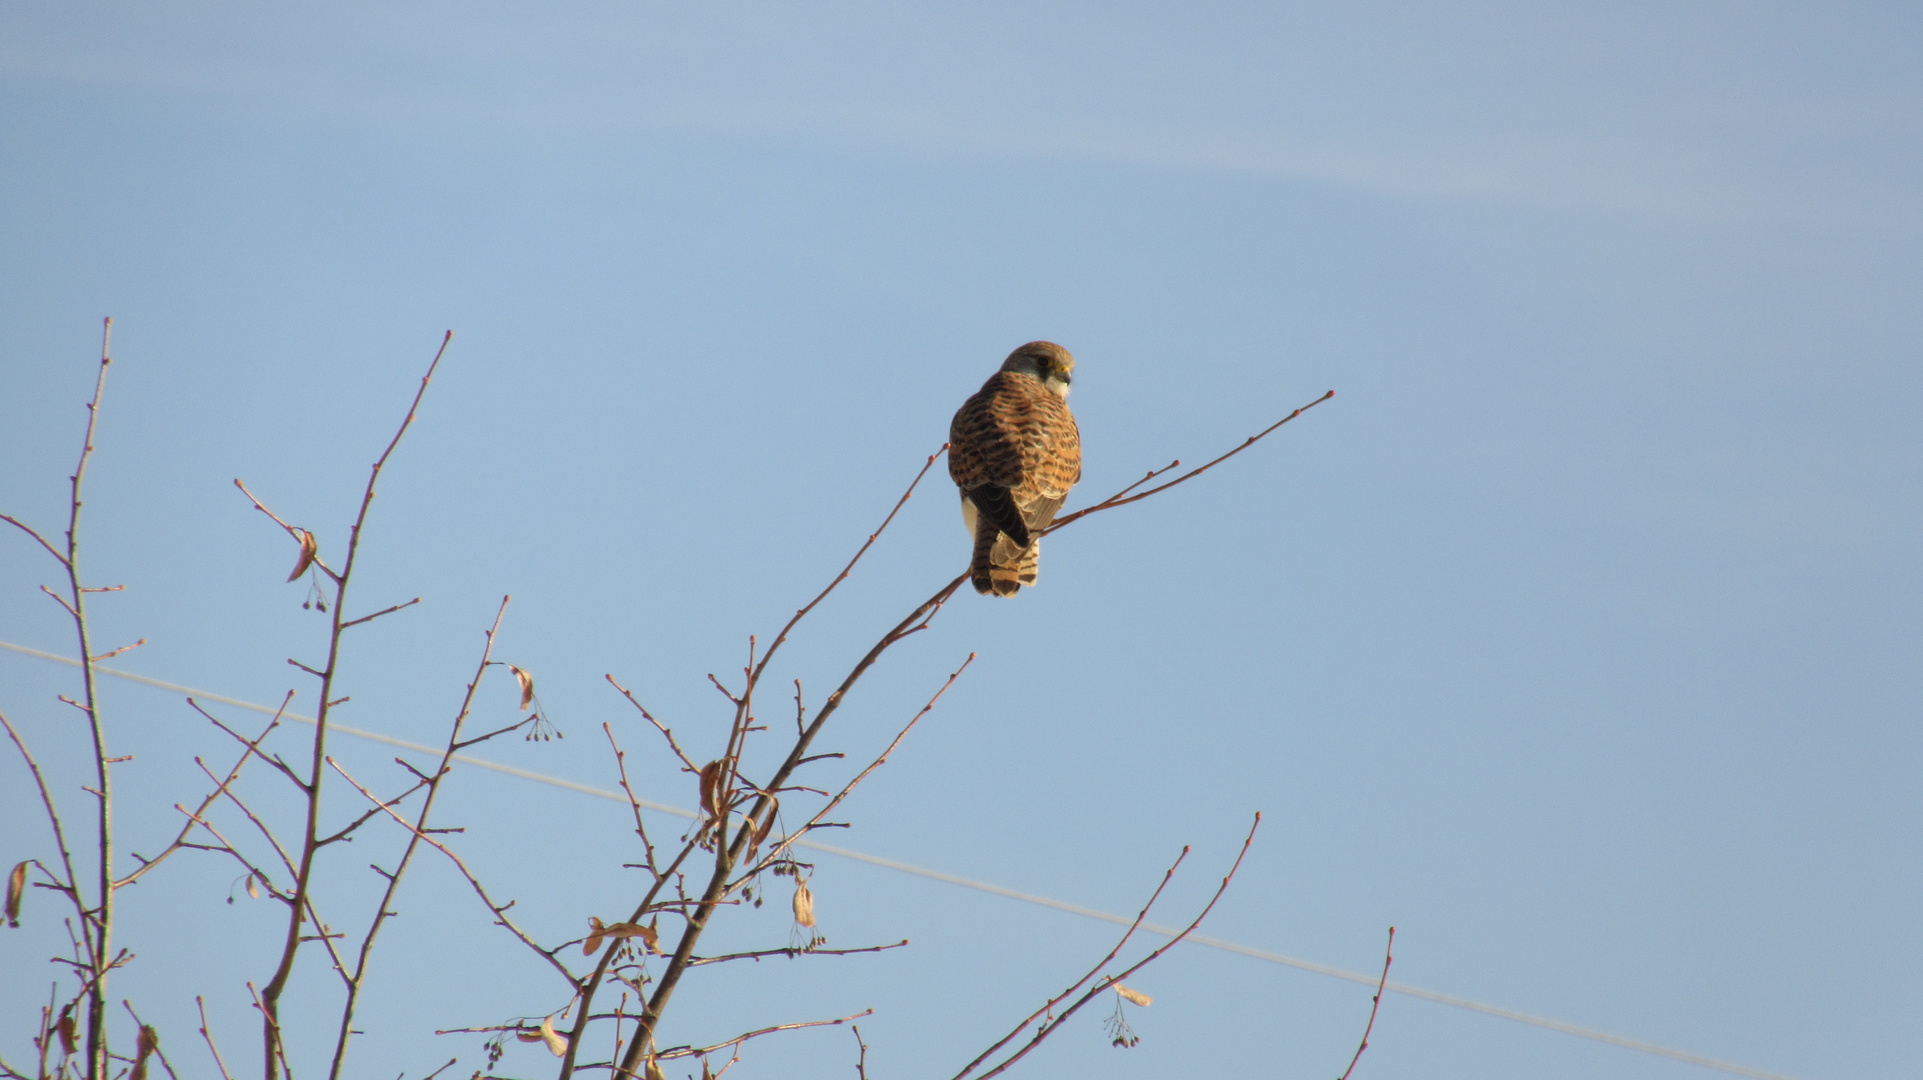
(804, 905)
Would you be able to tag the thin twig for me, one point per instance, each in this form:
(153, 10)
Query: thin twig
(269, 996)
(378, 614)
(209, 1036)
(694, 1051)
(252, 750)
(1048, 1007)
(621, 765)
(499, 910)
(658, 725)
(383, 910)
(1117, 499)
(698, 961)
(1054, 1024)
(814, 822)
(1375, 1003)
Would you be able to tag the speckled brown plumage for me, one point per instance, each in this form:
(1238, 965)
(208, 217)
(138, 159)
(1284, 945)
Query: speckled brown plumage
(1014, 452)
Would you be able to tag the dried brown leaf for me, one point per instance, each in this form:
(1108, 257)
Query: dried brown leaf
(16, 891)
(68, 1031)
(1135, 996)
(309, 549)
(804, 904)
(653, 1071)
(527, 685)
(595, 933)
(557, 1042)
(148, 1042)
(711, 787)
(767, 826)
(253, 886)
(528, 1035)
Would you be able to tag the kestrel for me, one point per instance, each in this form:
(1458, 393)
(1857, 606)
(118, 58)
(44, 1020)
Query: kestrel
(1014, 451)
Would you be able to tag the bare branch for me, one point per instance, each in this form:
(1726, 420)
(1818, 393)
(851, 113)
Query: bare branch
(378, 614)
(499, 910)
(30, 531)
(72, 883)
(269, 997)
(1375, 1003)
(815, 821)
(1117, 499)
(658, 725)
(209, 1037)
(697, 1051)
(621, 764)
(252, 750)
(698, 961)
(122, 649)
(1054, 1024)
(383, 911)
(300, 535)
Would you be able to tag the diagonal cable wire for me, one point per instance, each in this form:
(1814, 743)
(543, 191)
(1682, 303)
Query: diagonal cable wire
(1451, 1000)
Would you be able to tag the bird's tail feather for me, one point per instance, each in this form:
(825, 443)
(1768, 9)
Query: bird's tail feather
(1000, 566)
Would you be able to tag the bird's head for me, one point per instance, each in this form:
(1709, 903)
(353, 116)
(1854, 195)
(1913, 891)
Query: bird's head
(1045, 360)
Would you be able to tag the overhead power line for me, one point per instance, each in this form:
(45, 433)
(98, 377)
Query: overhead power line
(1451, 1000)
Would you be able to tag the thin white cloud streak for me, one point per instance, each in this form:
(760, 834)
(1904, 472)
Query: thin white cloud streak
(951, 88)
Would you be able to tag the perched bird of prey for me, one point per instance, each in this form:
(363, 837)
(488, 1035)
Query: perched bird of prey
(1014, 451)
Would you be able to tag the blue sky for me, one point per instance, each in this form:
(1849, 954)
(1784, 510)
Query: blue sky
(1577, 637)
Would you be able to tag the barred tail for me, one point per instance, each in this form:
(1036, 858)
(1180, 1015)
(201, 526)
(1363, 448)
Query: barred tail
(1000, 566)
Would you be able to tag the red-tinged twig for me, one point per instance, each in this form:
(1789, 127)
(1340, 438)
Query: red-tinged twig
(378, 614)
(698, 961)
(814, 822)
(71, 885)
(209, 1037)
(300, 535)
(640, 830)
(1375, 1003)
(1048, 1007)
(499, 910)
(122, 649)
(1054, 1024)
(603, 965)
(252, 750)
(728, 856)
(861, 1063)
(1117, 499)
(698, 1051)
(97, 920)
(384, 909)
(269, 997)
(666, 733)
(846, 570)
(285, 769)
